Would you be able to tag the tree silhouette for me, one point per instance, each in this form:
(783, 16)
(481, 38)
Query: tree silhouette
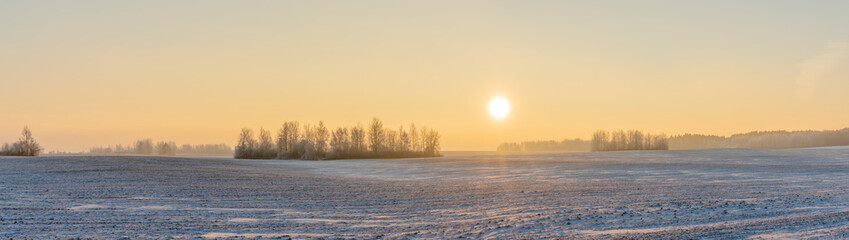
(144, 146)
(245, 146)
(375, 134)
(25, 146)
(358, 139)
(316, 142)
(621, 140)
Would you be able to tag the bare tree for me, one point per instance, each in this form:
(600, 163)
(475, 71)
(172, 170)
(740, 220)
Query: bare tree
(376, 133)
(282, 141)
(660, 142)
(618, 140)
(415, 143)
(307, 145)
(30, 146)
(648, 141)
(6, 149)
(166, 148)
(287, 137)
(144, 146)
(321, 137)
(265, 149)
(25, 146)
(246, 145)
(358, 139)
(403, 141)
(294, 134)
(390, 140)
(600, 141)
(340, 143)
(432, 146)
(423, 139)
(635, 140)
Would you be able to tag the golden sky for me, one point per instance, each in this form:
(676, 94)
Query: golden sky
(92, 73)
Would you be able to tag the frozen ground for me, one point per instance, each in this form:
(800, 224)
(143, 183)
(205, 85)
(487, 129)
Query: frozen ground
(802, 193)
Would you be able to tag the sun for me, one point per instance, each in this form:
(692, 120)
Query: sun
(499, 107)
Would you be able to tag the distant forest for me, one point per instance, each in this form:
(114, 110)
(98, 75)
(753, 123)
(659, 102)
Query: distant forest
(147, 147)
(318, 142)
(763, 140)
(621, 140)
(626, 140)
(565, 145)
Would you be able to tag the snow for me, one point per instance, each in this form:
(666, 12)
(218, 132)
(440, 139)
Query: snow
(718, 193)
(243, 220)
(87, 206)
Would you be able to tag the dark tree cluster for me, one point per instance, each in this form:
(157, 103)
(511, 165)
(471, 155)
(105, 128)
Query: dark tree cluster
(165, 148)
(621, 140)
(529, 146)
(315, 142)
(25, 146)
(763, 140)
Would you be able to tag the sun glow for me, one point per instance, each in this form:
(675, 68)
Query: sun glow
(499, 107)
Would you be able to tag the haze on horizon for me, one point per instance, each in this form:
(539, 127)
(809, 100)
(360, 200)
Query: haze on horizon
(92, 73)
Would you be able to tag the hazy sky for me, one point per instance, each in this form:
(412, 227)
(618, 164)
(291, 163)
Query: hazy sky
(91, 73)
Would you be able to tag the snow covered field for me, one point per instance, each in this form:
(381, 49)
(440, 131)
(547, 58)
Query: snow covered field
(801, 193)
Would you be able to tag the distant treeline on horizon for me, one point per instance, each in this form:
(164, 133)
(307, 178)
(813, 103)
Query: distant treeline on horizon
(317, 142)
(753, 140)
(619, 140)
(147, 147)
(576, 144)
(764, 140)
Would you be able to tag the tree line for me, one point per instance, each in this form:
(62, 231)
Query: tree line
(165, 148)
(576, 144)
(621, 140)
(315, 142)
(25, 146)
(636, 140)
(763, 140)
